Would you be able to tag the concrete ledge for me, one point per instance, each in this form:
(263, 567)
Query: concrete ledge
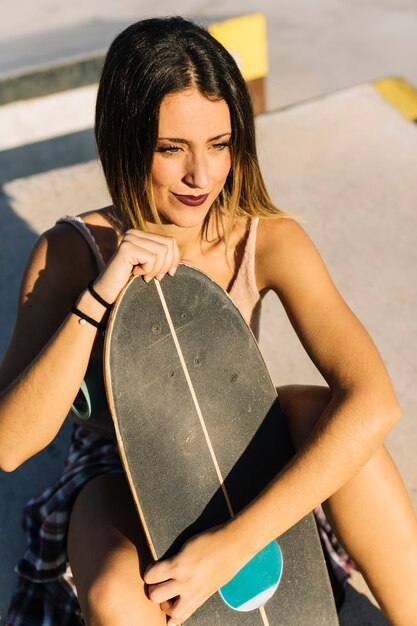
(40, 82)
(73, 57)
(54, 61)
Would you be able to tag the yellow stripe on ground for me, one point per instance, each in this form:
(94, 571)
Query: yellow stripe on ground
(245, 38)
(400, 94)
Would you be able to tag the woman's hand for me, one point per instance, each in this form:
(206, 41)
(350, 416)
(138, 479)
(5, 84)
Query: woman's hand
(205, 563)
(139, 253)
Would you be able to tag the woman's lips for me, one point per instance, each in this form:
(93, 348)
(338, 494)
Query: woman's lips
(192, 200)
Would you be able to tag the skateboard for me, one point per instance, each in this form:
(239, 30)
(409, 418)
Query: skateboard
(201, 433)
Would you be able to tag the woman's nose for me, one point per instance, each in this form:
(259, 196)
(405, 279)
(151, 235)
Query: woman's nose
(197, 174)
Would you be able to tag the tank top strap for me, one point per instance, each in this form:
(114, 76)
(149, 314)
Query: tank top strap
(78, 223)
(244, 291)
(245, 276)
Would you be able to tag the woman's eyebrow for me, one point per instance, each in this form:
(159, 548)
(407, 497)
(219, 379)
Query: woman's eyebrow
(179, 140)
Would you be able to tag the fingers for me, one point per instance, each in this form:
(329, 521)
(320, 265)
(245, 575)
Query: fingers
(168, 605)
(139, 253)
(164, 593)
(177, 607)
(158, 572)
(168, 586)
(179, 610)
(151, 255)
(186, 580)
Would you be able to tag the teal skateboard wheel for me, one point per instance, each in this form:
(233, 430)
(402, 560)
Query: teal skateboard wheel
(256, 582)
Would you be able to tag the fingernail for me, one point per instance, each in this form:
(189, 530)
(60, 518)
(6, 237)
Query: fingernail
(172, 271)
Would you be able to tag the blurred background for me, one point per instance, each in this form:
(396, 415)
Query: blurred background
(338, 144)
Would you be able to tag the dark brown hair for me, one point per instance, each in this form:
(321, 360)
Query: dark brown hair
(146, 62)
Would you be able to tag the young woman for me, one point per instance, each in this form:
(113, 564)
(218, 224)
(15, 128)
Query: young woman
(175, 134)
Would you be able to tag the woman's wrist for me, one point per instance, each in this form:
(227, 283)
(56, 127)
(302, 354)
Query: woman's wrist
(87, 304)
(109, 287)
(234, 535)
(254, 528)
(97, 296)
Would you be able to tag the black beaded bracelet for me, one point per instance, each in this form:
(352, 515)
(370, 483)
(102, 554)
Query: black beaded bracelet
(97, 296)
(86, 318)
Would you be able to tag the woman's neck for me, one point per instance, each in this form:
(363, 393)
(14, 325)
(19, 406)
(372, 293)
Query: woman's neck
(193, 241)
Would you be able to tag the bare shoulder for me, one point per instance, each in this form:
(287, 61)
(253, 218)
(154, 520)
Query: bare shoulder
(64, 254)
(105, 228)
(58, 269)
(282, 247)
(288, 262)
(59, 262)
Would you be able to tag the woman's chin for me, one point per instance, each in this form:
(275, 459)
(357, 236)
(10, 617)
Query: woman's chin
(188, 218)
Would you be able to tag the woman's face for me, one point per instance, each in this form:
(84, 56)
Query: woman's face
(192, 157)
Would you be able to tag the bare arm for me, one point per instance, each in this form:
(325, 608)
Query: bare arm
(364, 406)
(49, 350)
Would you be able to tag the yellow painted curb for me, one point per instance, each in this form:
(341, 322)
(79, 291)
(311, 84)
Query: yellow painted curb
(400, 94)
(245, 38)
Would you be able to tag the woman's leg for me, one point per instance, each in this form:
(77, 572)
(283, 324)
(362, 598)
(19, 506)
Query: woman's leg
(371, 514)
(108, 553)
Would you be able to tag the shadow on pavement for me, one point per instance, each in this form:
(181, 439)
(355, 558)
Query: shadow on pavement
(358, 609)
(17, 238)
(42, 156)
(44, 468)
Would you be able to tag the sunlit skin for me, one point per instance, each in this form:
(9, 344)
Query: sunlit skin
(192, 158)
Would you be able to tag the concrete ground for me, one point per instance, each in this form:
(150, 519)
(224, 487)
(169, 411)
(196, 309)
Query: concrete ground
(345, 164)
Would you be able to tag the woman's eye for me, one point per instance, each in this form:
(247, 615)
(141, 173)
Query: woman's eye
(221, 146)
(167, 149)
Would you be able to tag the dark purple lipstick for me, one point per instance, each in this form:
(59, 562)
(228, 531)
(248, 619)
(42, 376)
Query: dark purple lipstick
(191, 200)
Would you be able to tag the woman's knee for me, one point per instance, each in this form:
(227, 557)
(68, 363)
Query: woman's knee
(107, 552)
(113, 600)
(101, 602)
(302, 406)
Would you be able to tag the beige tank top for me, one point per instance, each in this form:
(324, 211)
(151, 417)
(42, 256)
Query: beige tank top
(243, 292)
